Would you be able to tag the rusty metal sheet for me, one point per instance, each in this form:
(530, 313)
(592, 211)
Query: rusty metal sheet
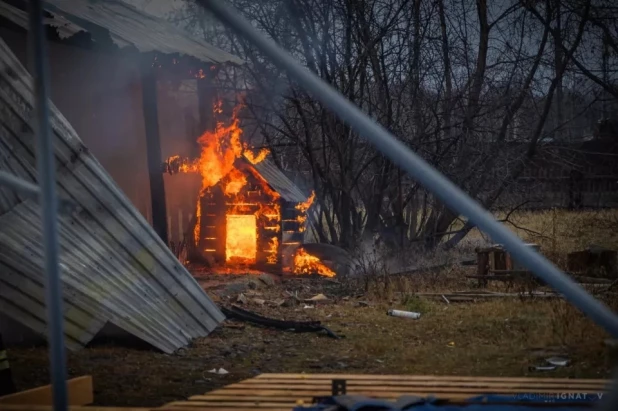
(114, 266)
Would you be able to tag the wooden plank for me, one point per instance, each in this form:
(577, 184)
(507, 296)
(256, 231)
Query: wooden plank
(193, 407)
(235, 404)
(71, 408)
(387, 377)
(284, 391)
(305, 390)
(429, 383)
(79, 393)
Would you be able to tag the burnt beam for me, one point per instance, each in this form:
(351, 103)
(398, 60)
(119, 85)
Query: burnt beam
(153, 148)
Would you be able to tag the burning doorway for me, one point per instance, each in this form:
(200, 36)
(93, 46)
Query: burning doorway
(241, 239)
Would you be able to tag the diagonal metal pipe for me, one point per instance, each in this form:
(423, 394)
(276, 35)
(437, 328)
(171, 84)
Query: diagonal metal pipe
(46, 175)
(418, 168)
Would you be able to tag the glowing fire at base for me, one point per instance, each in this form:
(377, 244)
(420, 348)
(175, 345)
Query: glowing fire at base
(241, 239)
(305, 263)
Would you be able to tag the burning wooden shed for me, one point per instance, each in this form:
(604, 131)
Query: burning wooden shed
(249, 213)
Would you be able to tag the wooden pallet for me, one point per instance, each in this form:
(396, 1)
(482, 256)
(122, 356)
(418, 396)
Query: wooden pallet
(281, 392)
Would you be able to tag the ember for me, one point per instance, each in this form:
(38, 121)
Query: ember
(305, 263)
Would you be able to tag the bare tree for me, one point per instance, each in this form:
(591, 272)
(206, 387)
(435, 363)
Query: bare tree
(467, 86)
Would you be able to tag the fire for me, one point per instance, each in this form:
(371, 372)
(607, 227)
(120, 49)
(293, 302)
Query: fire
(305, 263)
(237, 181)
(198, 216)
(303, 207)
(256, 158)
(220, 149)
(273, 246)
(241, 239)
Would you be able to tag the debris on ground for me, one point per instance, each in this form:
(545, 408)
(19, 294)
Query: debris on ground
(267, 279)
(558, 361)
(318, 297)
(543, 368)
(220, 371)
(297, 326)
(551, 364)
(241, 299)
(404, 314)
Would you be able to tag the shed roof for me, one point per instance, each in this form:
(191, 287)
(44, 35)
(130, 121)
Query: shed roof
(279, 181)
(126, 25)
(114, 266)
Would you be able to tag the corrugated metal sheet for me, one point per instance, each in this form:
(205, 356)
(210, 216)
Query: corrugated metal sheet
(114, 266)
(279, 181)
(127, 26)
(64, 27)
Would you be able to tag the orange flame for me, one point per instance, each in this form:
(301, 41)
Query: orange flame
(217, 163)
(256, 158)
(237, 181)
(303, 207)
(241, 238)
(273, 246)
(305, 263)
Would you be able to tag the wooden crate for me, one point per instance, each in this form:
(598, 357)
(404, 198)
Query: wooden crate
(281, 392)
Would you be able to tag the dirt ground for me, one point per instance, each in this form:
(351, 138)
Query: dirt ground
(489, 338)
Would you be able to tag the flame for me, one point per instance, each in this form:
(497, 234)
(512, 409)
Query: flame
(305, 263)
(273, 246)
(303, 207)
(241, 238)
(256, 158)
(220, 149)
(198, 218)
(237, 181)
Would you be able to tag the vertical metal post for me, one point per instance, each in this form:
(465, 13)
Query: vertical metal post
(153, 149)
(46, 172)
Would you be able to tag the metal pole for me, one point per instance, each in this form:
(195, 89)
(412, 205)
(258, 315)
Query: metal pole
(418, 168)
(46, 169)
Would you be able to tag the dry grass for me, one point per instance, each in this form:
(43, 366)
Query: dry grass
(490, 338)
(559, 232)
